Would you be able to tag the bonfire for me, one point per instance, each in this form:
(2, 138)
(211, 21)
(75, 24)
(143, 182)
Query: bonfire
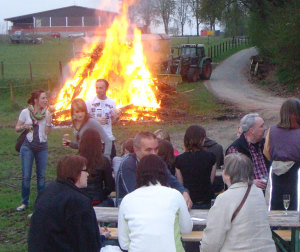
(121, 61)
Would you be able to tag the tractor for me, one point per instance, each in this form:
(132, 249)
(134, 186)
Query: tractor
(190, 65)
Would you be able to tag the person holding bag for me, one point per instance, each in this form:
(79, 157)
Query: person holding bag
(238, 220)
(36, 120)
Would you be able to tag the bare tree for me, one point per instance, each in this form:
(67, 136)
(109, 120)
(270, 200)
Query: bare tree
(196, 10)
(166, 9)
(144, 13)
(182, 13)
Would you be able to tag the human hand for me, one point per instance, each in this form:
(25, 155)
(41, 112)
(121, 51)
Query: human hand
(260, 184)
(104, 231)
(65, 141)
(102, 120)
(187, 199)
(27, 126)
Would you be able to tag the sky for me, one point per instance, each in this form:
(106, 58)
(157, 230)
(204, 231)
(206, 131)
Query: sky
(13, 8)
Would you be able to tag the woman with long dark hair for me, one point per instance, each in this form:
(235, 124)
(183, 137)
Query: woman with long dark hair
(100, 181)
(81, 122)
(282, 147)
(166, 153)
(36, 119)
(195, 168)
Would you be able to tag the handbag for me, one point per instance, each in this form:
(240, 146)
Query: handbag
(242, 202)
(20, 140)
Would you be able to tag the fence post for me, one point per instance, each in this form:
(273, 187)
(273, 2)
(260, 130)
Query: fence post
(223, 47)
(60, 73)
(2, 70)
(30, 71)
(211, 55)
(214, 51)
(12, 92)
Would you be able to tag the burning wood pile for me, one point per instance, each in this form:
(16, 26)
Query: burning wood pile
(121, 61)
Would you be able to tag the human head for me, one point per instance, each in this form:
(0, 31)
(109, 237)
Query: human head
(91, 148)
(39, 98)
(101, 88)
(194, 138)
(162, 134)
(145, 143)
(70, 168)
(238, 168)
(166, 152)
(78, 105)
(151, 169)
(127, 146)
(253, 127)
(290, 114)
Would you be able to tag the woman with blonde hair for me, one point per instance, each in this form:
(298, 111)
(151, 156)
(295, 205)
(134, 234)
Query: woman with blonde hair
(81, 122)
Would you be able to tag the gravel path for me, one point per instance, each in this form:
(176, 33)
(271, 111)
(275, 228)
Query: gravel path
(229, 83)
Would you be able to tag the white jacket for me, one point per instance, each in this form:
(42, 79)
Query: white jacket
(249, 231)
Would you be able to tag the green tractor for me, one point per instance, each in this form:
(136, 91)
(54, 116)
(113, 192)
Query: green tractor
(191, 64)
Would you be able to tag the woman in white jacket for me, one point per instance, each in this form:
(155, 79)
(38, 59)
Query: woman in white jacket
(249, 230)
(152, 217)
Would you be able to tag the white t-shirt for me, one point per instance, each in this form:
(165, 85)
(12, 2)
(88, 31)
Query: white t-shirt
(102, 108)
(150, 217)
(26, 118)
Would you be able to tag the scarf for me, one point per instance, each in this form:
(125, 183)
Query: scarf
(35, 116)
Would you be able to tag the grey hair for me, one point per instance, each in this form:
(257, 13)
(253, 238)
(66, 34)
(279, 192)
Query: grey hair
(142, 135)
(238, 167)
(248, 121)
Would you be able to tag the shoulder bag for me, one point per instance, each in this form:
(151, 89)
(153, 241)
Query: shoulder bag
(20, 140)
(242, 202)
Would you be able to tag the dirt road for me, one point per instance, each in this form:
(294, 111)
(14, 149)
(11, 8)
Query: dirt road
(229, 83)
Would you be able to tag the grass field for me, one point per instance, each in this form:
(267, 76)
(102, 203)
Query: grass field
(192, 97)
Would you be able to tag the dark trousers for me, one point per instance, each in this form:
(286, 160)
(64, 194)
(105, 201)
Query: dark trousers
(113, 152)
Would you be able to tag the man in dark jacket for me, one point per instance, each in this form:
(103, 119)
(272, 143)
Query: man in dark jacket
(144, 143)
(251, 143)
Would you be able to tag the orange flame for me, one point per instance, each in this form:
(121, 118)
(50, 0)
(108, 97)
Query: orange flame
(122, 63)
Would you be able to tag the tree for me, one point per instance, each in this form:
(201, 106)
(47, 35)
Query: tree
(196, 7)
(166, 9)
(211, 11)
(144, 13)
(181, 15)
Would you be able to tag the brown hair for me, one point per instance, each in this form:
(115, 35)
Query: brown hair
(35, 95)
(166, 152)
(290, 114)
(142, 135)
(193, 138)
(80, 105)
(127, 145)
(91, 148)
(69, 167)
(151, 169)
(163, 134)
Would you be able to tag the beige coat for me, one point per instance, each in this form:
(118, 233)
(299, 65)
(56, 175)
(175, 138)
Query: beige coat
(249, 231)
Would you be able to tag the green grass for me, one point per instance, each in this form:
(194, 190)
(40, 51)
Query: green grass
(192, 97)
(44, 59)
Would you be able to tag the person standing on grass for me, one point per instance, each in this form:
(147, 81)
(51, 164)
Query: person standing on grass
(37, 120)
(103, 109)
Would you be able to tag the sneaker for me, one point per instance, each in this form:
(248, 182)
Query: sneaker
(21, 208)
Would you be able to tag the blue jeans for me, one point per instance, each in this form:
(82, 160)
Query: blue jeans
(27, 156)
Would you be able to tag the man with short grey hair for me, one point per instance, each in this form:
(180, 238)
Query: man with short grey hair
(251, 143)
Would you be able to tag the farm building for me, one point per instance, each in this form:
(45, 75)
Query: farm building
(66, 21)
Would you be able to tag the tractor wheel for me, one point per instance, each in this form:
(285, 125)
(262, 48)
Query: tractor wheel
(206, 70)
(193, 74)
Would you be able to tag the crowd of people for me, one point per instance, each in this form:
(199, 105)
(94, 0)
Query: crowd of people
(156, 185)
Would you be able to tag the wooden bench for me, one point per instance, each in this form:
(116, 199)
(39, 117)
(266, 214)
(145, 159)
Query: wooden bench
(284, 234)
(194, 236)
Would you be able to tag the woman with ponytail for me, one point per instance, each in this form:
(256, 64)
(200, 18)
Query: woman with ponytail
(36, 119)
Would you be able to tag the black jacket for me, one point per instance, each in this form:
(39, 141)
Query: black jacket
(63, 220)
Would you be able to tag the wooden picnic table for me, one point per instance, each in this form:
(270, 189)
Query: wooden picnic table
(276, 219)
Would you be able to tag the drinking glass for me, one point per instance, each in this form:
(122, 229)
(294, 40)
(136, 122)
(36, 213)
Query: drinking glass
(286, 202)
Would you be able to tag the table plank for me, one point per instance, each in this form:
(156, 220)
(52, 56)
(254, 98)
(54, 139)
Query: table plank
(276, 218)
